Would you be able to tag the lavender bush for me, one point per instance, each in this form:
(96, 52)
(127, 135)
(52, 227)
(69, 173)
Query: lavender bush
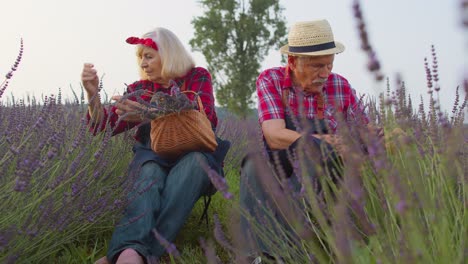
(58, 182)
(402, 199)
(160, 103)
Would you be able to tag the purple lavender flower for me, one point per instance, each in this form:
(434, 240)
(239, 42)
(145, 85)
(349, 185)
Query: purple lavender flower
(104, 143)
(133, 219)
(14, 150)
(219, 234)
(373, 64)
(218, 182)
(170, 248)
(24, 171)
(175, 89)
(5, 236)
(464, 11)
(401, 206)
(8, 76)
(340, 228)
(209, 250)
(13, 258)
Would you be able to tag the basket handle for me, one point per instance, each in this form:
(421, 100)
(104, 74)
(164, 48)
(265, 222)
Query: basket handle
(200, 104)
(183, 89)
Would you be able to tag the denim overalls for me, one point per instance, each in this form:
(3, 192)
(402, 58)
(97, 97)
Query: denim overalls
(253, 196)
(163, 197)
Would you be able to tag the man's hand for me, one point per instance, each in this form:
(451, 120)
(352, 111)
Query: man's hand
(376, 130)
(336, 141)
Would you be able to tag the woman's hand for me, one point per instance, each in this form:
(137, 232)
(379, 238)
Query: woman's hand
(90, 80)
(128, 110)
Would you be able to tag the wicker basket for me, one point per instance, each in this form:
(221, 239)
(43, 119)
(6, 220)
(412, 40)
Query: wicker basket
(176, 134)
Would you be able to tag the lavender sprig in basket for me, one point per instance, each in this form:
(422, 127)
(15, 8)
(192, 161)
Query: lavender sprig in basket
(162, 103)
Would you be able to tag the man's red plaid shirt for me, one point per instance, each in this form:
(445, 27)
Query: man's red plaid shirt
(338, 94)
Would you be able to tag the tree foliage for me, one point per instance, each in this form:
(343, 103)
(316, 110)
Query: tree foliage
(235, 36)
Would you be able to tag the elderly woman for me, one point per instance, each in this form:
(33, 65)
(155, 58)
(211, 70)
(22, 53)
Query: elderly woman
(165, 190)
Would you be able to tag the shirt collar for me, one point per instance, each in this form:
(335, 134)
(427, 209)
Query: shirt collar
(179, 81)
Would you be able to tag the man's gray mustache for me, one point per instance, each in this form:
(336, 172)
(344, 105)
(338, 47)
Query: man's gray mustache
(320, 81)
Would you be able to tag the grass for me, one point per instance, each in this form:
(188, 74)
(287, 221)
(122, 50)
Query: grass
(89, 248)
(404, 201)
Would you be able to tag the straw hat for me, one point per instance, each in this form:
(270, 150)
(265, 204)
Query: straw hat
(311, 38)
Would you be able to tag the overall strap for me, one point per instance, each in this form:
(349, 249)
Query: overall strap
(284, 98)
(319, 98)
(320, 105)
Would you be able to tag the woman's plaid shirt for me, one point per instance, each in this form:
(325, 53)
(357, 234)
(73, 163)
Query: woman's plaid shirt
(198, 80)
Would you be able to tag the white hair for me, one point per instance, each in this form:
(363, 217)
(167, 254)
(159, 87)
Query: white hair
(176, 61)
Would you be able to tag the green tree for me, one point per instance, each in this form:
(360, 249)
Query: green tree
(235, 36)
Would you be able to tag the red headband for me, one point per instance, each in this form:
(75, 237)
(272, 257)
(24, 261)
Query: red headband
(146, 42)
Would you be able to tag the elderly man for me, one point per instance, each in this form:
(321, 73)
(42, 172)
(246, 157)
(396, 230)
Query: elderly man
(300, 102)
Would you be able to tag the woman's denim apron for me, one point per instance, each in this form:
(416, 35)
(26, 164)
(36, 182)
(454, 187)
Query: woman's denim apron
(163, 196)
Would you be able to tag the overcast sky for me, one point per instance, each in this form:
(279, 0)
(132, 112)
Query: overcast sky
(60, 35)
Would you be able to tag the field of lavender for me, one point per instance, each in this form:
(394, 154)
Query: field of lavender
(63, 189)
(402, 199)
